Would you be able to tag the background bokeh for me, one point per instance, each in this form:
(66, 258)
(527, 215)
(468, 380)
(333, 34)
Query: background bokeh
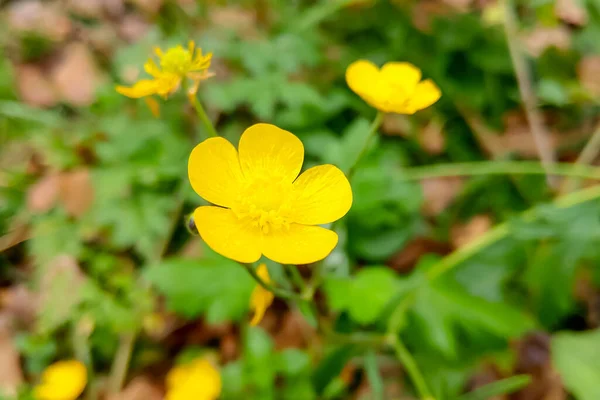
(96, 261)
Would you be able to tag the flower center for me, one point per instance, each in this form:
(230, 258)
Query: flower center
(176, 60)
(265, 205)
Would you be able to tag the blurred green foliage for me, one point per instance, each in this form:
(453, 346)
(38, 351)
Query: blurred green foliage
(127, 245)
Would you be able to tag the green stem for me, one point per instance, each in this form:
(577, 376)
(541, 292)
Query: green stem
(411, 368)
(297, 279)
(210, 129)
(372, 131)
(279, 292)
(81, 332)
(499, 232)
(121, 362)
(500, 168)
(318, 13)
(587, 155)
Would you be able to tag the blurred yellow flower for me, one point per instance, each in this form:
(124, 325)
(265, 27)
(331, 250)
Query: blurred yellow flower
(396, 87)
(261, 298)
(262, 206)
(197, 380)
(176, 64)
(63, 380)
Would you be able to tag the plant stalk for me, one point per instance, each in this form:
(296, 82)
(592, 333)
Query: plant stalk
(208, 125)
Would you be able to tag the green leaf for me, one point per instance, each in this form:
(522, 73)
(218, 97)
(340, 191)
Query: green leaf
(292, 362)
(444, 309)
(373, 375)
(331, 366)
(365, 295)
(259, 362)
(214, 286)
(552, 92)
(577, 357)
(498, 388)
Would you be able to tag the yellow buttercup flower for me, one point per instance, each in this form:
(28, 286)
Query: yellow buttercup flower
(261, 204)
(63, 380)
(197, 380)
(175, 65)
(261, 298)
(396, 87)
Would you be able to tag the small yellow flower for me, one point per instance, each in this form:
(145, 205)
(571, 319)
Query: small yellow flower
(197, 380)
(396, 87)
(261, 298)
(63, 380)
(175, 65)
(262, 206)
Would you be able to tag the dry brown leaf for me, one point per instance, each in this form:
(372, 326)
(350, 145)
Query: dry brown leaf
(75, 75)
(42, 196)
(11, 376)
(20, 303)
(589, 74)
(461, 5)
(542, 38)
(432, 138)
(87, 8)
(34, 87)
(517, 136)
(148, 6)
(533, 358)
(44, 18)
(396, 125)
(463, 234)
(229, 347)
(571, 12)
(114, 8)
(241, 20)
(424, 12)
(76, 191)
(140, 388)
(133, 27)
(405, 260)
(293, 331)
(439, 193)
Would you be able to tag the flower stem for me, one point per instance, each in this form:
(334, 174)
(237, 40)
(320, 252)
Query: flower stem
(318, 13)
(500, 168)
(524, 82)
(411, 367)
(296, 277)
(372, 131)
(210, 129)
(587, 155)
(121, 362)
(279, 292)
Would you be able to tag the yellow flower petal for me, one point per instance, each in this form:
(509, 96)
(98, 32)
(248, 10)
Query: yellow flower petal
(361, 75)
(152, 69)
(403, 77)
(269, 153)
(214, 171)
(63, 380)
(154, 106)
(322, 194)
(261, 298)
(426, 93)
(145, 87)
(225, 234)
(300, 244)
(197, 379)
(207, 378)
